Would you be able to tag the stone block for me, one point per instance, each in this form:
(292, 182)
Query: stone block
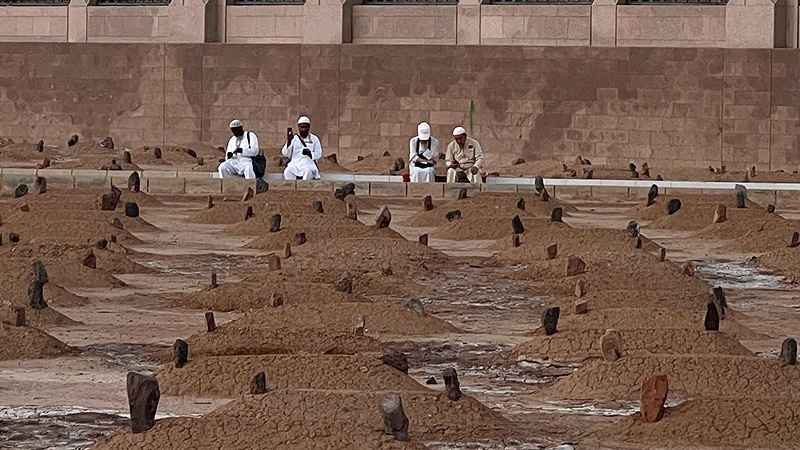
(202, 186)
(237, 185)
(282, 185)
(317, 185)
(387, 189)
(10, 182)
(362, 188)
(95, 179)
(165, 185)
(159, 173)
(435, 190)
(58, 181)
(451, 190)
(505, 188)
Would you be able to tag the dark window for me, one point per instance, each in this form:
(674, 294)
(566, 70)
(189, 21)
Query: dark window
(266, 2)
(676, 2)
(34, 2)
(541, 2)
(132, 2)
(410, 2)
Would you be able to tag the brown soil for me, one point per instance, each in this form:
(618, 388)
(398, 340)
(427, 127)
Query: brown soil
(221, 213)
(28, 342)
(739, 423)
(719, 376)
(239, 339)
(376, 163)
(581, 345)
(337, 317)
(230, 376)
(695, 216)
(320, 234)
(40, 318)
(757, 235)
(306, 420)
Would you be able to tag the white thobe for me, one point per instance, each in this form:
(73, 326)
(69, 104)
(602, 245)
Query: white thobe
(422, 174)
(300, 165)
(241, 164)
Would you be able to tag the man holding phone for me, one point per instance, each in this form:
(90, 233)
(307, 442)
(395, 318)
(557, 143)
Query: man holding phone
(242, 147)
(304, 149)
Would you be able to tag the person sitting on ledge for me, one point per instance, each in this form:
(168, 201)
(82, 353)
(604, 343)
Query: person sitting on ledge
(423, 151)
(304, 149)
(464, 158)
(242, 147)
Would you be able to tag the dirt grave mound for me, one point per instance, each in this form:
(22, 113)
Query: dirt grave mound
(222, 213)
(248, 295)
(694, 202)
(712, 376)
(375, 163)
(30, 343)
(238, 339)
(381, 319)
(305, 420)
(756, 235)
(697, 216)
(581, 345)
(784, 260)
(622, 298)
(712, 423)
(38, 318)
(230, 376)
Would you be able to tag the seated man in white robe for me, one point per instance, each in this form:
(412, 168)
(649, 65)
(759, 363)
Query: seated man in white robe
(242, 147)
(464, 158)
(304, 149)
(423, 151)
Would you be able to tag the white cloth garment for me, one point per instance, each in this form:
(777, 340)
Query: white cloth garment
(300, 164)
(422, 174)
(241, 164)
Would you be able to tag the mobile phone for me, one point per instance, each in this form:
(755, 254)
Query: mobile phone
(289, 130)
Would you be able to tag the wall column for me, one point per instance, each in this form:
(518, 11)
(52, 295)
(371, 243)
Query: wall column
(328, 21)
(604, 23)
(750, 23)
(77, 16)
(468, 22)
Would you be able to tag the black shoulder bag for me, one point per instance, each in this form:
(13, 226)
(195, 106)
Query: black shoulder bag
(259, 161)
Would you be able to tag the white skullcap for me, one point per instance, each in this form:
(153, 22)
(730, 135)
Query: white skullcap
(236, 123)
(303, 119)
(423, 131)
(458, 131)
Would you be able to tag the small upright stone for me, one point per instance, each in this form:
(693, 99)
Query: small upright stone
(453, 215)
(581, 307)
(580, 288)
(72, 140)
(344, 191)
(633, 229)
(345, 283)
(40, 147)
(516, 225)
(107, 143)
(741, 196)
(318, 207)
(654, 395)
(789, 352)
(384, 218)
(662, 254)
(143, 397)
(126, 157)
(21, 190)
(646, 170)
(386, 269)
(19, 316)
(638, 242)
(552, 251)
(589, 174)
(711, 319)
(550, 320)
(427, 203)
(300, 238)
(40, 185)
(287, 250)
(687, 269)
(398, 360)
(248, 194)
(101, 244)
(652, 194)
(275, 223)
(180, 353)
(416, 305)
(14, 237)
(673, 206)
(795, 240)
(276, 300)
(575, 266)
(555, 215)
(134, 182)
(752, 172)
(358, 325)
(423, 239)
(191, 152)
(515, 240)
(248, 214)
(157, 153)
(131, 209)
(259, 384)
(538, 184)
(720, 214)
(771, 208)
(395, 421)
(521, 204)
(611, 345)
(274, 262)
(452, 384)
(262, 187)
(36, 288)
(211, 324)
(544, 196)
(462, 193)
(352, 211)
(214, 284)
(90, 260)
(117, 224)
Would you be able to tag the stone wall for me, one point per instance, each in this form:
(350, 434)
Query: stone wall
(666, 106)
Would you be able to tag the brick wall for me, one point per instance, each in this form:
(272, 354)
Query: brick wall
(536, 25)
(665, 106)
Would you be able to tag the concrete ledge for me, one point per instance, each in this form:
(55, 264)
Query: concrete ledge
(387, 189)
(10, 182)
(120, 179)
(159, 174)
(451, 190)
(59, 181)
(362, 187)
(166, 185)
(236, 185)
(20, 172)
(195, 175)
(316, 185)
(435, 190)
(499, 188)
(282, 185)
(203, 186)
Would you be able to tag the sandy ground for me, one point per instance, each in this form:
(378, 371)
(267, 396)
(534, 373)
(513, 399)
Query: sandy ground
(72, 401)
